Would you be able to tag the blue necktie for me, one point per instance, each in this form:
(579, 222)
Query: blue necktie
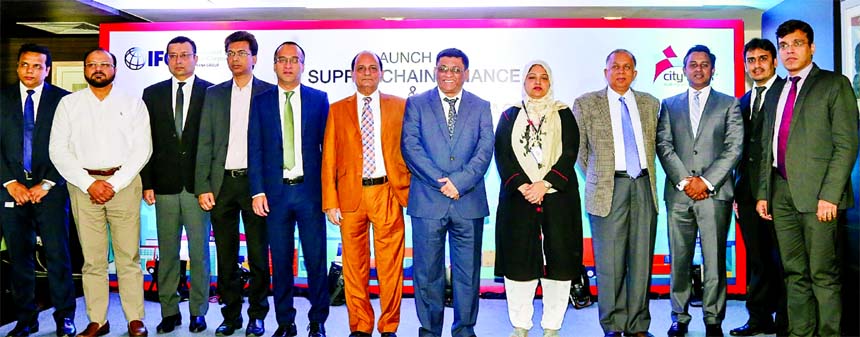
(29, 125)
(631, 153)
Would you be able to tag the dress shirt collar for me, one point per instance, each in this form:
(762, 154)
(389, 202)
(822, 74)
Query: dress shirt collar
(374, 96)
(37, 89)
(188, 81)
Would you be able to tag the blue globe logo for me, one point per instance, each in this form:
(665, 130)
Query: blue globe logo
(133, 59)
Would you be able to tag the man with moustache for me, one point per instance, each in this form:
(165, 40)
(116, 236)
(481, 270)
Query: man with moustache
(699, 139)
(616, 153)
(34, 194)
(447, 143)
(221, 185)
(809, 146)
(174, 113)
(285, 138)
(100, 141)
(765, 290)
(373, 190)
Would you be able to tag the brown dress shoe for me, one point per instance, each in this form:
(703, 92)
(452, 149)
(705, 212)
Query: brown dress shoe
(137, 329)
(94, 330)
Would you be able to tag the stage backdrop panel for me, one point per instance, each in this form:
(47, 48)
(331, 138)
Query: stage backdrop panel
(575, 49)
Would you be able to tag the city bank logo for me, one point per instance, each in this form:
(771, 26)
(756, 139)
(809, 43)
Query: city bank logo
(136, 58)
(666, 72)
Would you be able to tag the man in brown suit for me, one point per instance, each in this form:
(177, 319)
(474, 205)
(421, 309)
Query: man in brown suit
(364, 181)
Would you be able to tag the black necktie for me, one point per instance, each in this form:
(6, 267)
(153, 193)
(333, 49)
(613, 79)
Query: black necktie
(180, 105)
(756, 108)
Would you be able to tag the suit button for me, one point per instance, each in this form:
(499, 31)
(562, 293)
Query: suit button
(452, 158)
(695, 152)
(694, 171)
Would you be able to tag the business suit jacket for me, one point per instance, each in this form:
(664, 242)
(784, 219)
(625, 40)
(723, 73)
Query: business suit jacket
(215, 133)
(430, 154)
(750, 165)
(172, 155)
(265, 142)
(822, 143)
(597, 149)
(712, 153)
(343, 153)
(12, 133)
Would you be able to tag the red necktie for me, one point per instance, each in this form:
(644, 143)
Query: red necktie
(785, 126)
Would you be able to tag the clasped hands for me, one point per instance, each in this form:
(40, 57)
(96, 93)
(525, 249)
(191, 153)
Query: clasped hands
(533, 192)
(448, 189)
(100, 192)
(696, 188)
(23, 195)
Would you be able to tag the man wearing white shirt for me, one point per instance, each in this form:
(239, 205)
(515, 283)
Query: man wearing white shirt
(100, 142)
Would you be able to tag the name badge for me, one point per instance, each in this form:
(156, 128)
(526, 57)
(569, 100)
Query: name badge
(537, 153)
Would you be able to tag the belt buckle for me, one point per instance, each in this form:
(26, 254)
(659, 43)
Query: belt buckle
(28, 175)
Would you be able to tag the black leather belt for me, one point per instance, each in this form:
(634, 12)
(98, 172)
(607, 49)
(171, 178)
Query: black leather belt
(374, 181)
(623, 174)
(294, 181)
(106, 172)
(236, 173)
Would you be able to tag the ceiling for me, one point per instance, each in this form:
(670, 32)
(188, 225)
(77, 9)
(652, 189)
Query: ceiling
(95, 12)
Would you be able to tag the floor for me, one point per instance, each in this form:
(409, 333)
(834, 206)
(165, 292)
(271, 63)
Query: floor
(492, 319)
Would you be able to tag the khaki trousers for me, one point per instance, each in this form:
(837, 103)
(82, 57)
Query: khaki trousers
(119, 220)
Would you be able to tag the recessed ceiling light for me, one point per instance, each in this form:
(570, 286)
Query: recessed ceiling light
(64, 27)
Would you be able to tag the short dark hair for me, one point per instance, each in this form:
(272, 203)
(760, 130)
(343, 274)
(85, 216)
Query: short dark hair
(291, 43)
(621, 50)
(453, 52)
(182, 39)
(763, 44)
(703, 49)
(87, 54)
(791, 26)
(35, 48)
(239, 36)
(378, 60)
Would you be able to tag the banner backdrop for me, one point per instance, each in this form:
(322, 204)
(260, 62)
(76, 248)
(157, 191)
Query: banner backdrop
(576, 50)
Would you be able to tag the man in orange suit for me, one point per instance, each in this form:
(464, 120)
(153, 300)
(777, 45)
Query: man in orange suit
(365, 181)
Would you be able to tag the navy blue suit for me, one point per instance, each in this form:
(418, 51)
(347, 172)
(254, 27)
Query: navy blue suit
(49, 218)
(464, 158)
(291, 204)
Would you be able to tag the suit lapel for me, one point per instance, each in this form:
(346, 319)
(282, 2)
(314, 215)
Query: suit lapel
(710, 104)
(808, 83)
(307, 99)
(682, 109)
(435, 104)
(604, 119)
(462, 119)
(385, 131)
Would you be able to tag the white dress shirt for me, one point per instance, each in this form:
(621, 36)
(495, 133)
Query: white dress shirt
(296, 101)
(237, 144)
(783, 97)
(618, 130)
(446, 106)
(186, 93)
(704, 93)
(375, 109)
(89, 133)
(767, 86)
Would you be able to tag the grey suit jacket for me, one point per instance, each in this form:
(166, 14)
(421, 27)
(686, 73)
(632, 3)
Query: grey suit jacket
(712, 153)
(597, 146)
(215, 133)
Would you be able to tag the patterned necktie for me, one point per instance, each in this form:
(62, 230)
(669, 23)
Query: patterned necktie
(29, 125)
(785, 126)
(696, 114)
(757, 103)
(288, 134)
(180, 106)
(452, 115)
(369, 166)
(631, 153)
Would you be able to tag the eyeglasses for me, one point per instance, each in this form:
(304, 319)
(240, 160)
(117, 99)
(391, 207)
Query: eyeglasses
(795, 44)
(25, 65)
(288, 60)
(445, 69)
(625, 68)
(175, 56)
(94, 65)
(241, 53)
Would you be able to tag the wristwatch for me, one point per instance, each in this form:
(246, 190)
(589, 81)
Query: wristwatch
(546, 184)
(46, 186)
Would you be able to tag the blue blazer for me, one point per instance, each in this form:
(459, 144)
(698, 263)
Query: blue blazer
(265, 143)
(430, 154)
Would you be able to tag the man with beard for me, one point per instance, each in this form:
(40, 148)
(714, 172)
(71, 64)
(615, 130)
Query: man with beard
(100, 141)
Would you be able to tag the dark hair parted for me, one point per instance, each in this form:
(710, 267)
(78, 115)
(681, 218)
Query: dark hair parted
(35, 48)
(182, 39)
(453, 52)
(763, 44)
(239, 36)
(704, 49)
(791, 26)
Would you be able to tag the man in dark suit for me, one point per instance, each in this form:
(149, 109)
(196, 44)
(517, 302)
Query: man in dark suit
(765, 290)
(34, 194)
(174, 115)
(809, 145)
(447, 143)
(284, 165)
(221, 185)
(700, 134)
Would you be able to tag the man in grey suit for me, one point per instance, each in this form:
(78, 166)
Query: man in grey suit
(699, 139)
(616, 153)
(809, 147)
(221, 185)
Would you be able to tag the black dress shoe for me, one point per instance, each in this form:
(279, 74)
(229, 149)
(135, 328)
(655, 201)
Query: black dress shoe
(228, 327)
(389, 334)
(169, 323)
(612, 334)
(359, 334)
(286, 331)
(318, 330)
(197, 324)
(255, 327)
(24, 329)
(677, 329)
(713, 330)
(752, 330)
(66, 328)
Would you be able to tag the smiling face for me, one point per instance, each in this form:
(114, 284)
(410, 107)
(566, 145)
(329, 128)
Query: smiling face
(620, 72)
(289, 66)
(32, 69)
(451, 73)
(699, 70)
(537, 82)
(795, 51)
(760, 65)
(366, 73)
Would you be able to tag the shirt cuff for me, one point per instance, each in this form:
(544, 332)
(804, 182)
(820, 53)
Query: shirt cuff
(8, 182)
(707, 183)
(258, 195)
(680, 186)
(49, 182)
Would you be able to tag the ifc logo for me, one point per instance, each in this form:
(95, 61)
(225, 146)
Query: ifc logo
(133, 59)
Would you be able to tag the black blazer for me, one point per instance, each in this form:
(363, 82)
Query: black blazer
(171, 167)
(12, 142)
(750, 164)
